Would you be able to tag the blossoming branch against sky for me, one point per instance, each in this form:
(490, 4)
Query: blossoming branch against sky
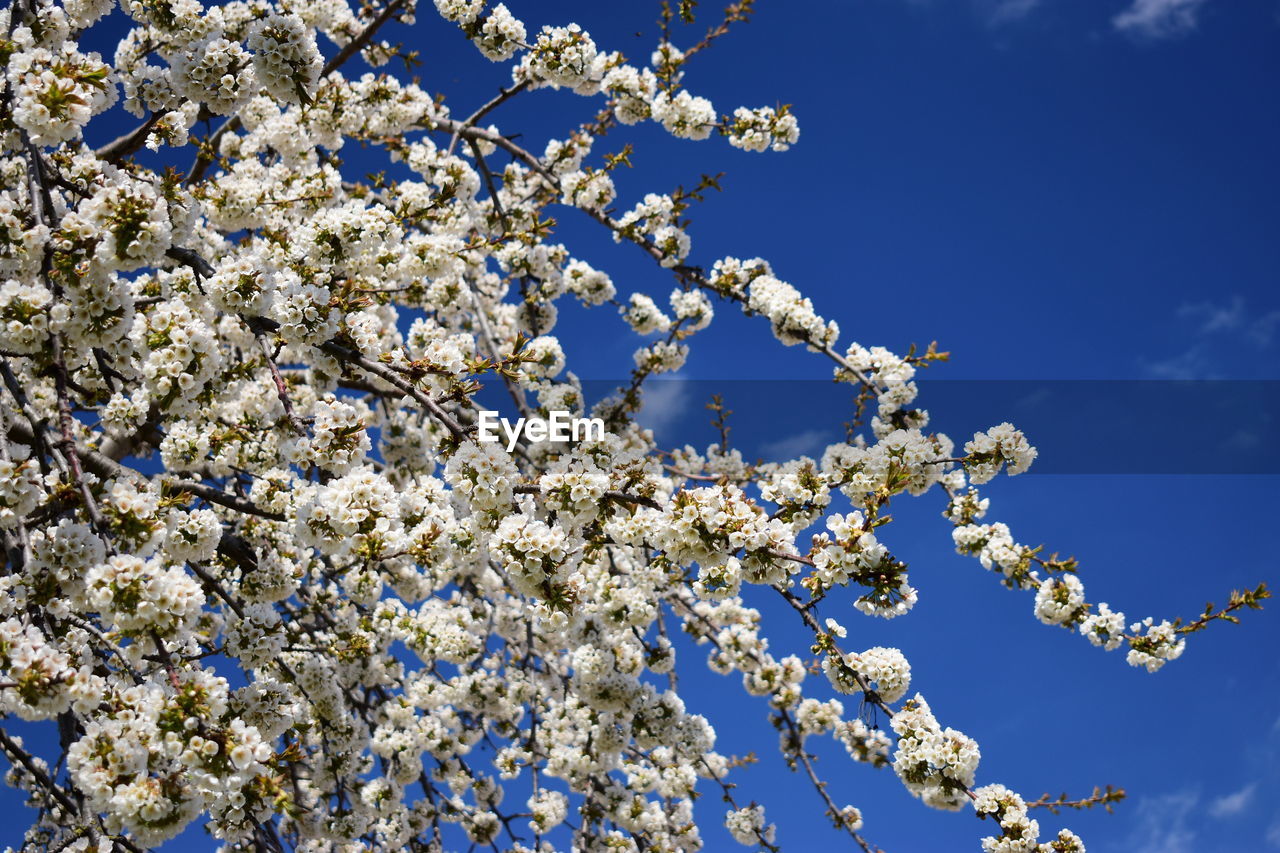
(271, 274)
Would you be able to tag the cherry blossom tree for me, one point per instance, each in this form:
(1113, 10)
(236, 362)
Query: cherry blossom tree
(261, 573)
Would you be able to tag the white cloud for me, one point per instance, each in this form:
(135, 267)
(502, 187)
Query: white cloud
(1006, 11)
(1234, 316)
(994, 12)
(1156, 19)
(1162, 824)
(665, 401)
(1215, 326)
(1263, 330)
(811, 442)
(1193, 363)
(1273, 834)
(1230, 805)
(1214, 318)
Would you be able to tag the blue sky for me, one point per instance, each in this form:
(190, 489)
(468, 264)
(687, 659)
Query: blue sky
(1052, 190)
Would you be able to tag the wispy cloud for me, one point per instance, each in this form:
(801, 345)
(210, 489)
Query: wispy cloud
(665, 401)
(1162, 824)
(1215, 318)
(1159, 19)
(1143, 19)
(811, 442)
(1263, 330)
(1192, 363)
(1007, 11)
(1230, 805)
(994, 12)
(1233, 317)
(1273, 834)
(1216, 331)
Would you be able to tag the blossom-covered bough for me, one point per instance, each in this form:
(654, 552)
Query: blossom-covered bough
(259, 572)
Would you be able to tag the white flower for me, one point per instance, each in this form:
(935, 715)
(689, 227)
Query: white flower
(1104, 628)
(644, 316)
(685, 115)
(791, 315)
(24, 312)
(589, 191)
(1155, 648)
(285, 57)
(500, 34)
(562, 56)
(1060, 601)
(140, 597)
(885, 669)
(747, 826)
(632, 89)
(56, 92)
(590, 285)
(459, 11)
(192, 536)
(762, 128)
(216, 72)
(999, 445)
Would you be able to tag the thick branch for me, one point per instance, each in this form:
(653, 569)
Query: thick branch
(124, 145)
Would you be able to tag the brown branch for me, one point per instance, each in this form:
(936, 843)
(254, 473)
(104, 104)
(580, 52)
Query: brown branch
(726, 793)
(690, 274)
(1251, 599)
(517, 393)
(20, 756)
(740, 11)
(212, 583)
(502, 97)
(806, 761)
(204, 156)
(37, 425)
(282, 391)
(390, 377)
(66, 422)
(795, 558)
(199, 265)
(358, 43)
(706, 478)
(1100, 797)
(166, 661)
(238, 551)
(221, 498)
(108, 468)
(124, 145)
(620, 497)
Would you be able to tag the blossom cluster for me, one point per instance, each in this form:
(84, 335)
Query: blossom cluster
(1019, 833)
